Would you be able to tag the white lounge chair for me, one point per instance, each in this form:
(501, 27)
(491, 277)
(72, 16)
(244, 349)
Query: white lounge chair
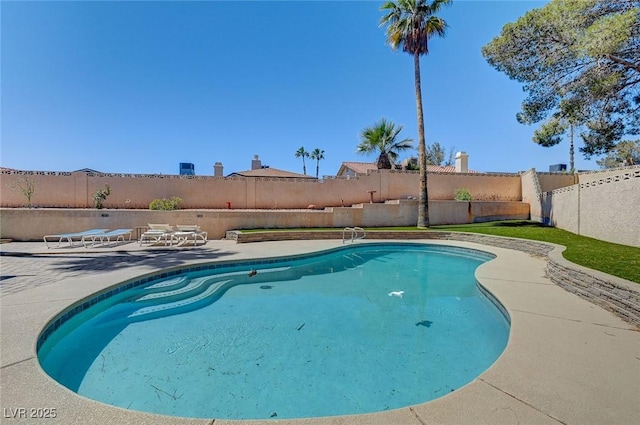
(71, 237)
(157, 233)
(105, 238)
(187, 232)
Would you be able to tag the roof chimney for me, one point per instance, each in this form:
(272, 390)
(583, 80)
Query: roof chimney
(218, 169)
(462, 162)
(256, 164)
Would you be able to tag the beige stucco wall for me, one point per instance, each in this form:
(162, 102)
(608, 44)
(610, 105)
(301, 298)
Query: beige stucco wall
(535, 184)
(561, 208)
(590, 176)
(34, 223)
(603, 206)
(553, 181)
(133, 191)
(610, 207)
(531, 194)
(483, 187)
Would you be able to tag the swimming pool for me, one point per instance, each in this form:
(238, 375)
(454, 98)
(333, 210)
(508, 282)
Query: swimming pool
(314, 335)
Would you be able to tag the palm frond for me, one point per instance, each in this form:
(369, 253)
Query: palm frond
(411, 23)
(382, 138)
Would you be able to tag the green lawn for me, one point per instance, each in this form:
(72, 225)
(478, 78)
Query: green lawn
(618, 260)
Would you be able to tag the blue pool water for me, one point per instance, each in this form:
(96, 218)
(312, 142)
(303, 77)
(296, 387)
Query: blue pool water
(317, 336)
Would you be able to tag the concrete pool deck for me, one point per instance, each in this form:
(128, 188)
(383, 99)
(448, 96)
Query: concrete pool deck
(567, 361)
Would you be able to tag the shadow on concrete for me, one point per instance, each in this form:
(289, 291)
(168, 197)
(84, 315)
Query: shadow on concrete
(161, 259)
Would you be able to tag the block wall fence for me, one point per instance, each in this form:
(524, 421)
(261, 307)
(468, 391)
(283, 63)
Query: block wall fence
(136, 191)
(604, 205)
(23, 224)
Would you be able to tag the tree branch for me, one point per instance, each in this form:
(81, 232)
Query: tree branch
(623, 62)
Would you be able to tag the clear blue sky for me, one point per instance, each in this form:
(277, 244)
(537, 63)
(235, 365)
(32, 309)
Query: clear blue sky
(137, 87)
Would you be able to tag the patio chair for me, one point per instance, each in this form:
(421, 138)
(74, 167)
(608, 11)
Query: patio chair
(71, 237)
(187, 232)
(105, 238)
(157, 233)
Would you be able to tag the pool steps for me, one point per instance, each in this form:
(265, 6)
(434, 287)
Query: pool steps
(193, 285)
(167, 283)
(195, 290)
(211, 290)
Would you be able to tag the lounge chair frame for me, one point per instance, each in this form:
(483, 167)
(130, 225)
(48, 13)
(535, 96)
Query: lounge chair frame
(120, 235)
(70, 238)
(156, 234)
(189, 232)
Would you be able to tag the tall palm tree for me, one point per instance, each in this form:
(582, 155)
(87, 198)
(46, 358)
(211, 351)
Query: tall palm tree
(410, 25)
(304, 154)
(317, 154)
(382, 138)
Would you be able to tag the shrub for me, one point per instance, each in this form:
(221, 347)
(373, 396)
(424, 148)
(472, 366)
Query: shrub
(166, 204)
(463, 195)
(26, 186)
(412, 165)
(101, 196)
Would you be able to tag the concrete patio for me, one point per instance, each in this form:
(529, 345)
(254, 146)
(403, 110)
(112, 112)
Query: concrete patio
(567, 361)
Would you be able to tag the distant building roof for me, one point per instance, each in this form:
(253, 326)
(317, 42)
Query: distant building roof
(353, 168)
(442, 169)
(87, 170)
(271, 172)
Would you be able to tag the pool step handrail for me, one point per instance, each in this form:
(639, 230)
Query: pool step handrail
(354, 231)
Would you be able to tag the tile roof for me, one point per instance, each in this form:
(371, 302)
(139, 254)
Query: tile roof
(364, 167)
(271, 172)
(441, 169)
(360, 167)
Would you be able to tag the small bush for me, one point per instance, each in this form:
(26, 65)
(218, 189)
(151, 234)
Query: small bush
(463, 195)
(166, 204)
(101, 196)
(26, 186)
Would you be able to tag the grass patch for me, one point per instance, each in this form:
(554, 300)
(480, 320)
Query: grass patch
(615, 259)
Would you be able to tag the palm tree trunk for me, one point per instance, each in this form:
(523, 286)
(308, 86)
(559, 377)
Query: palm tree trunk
(383, 163)
(304, 167)
(423, 198)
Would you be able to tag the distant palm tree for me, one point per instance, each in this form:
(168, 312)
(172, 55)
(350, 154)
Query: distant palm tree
(410, 25)
(302, 153)
(317, 154)
(382, 139)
